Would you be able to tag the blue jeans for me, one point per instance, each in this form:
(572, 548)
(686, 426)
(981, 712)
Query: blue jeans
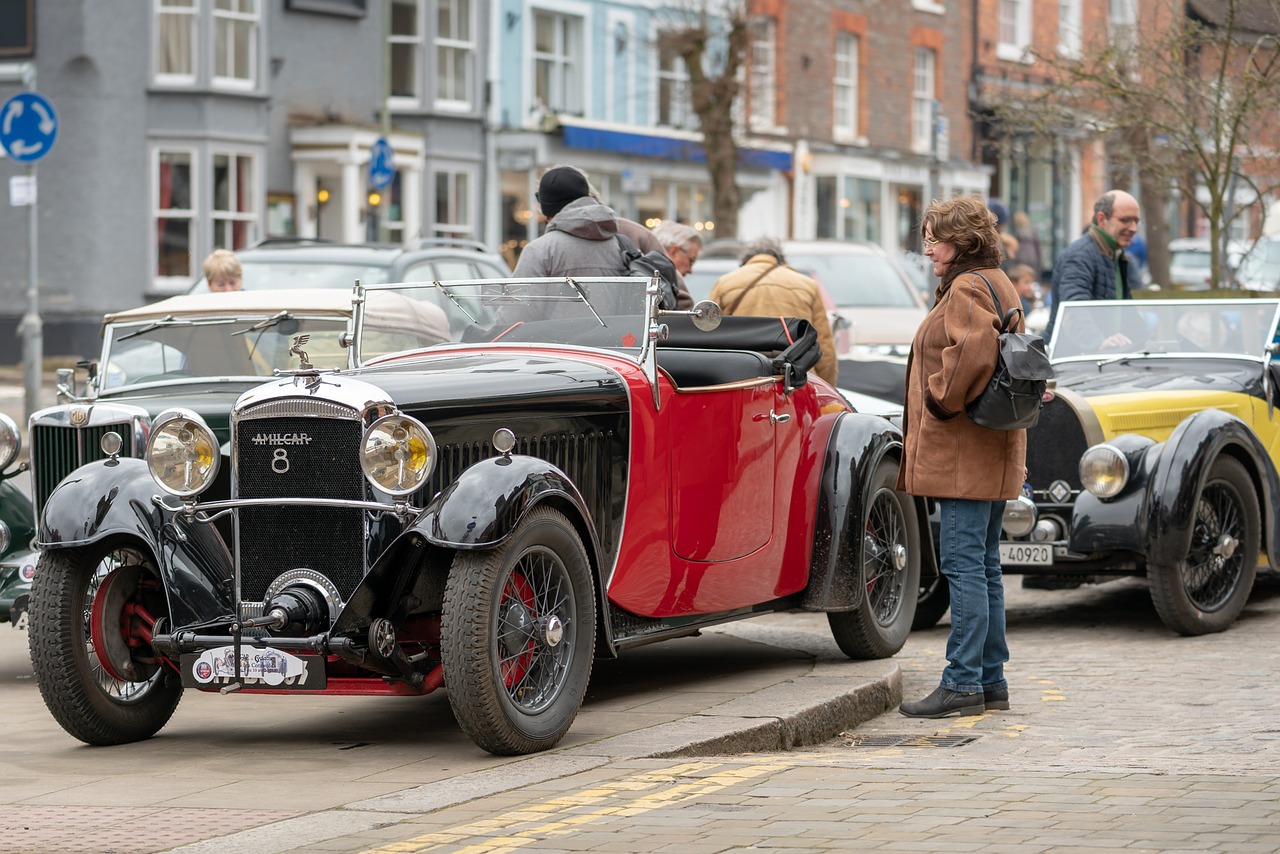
(970, 561)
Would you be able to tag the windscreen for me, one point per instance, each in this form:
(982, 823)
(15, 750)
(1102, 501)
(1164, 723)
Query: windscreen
(1164, 327)
(594, 312)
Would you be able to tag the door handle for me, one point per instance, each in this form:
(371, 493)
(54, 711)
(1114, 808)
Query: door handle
(775, 418)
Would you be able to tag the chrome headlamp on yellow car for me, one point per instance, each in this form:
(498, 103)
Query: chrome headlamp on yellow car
(182, 453)
(397, 454)
(10, 441)
(1104, 471)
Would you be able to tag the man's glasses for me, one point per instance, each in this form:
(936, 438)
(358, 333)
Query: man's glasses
(1126, 220)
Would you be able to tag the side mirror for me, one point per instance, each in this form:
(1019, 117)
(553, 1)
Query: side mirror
(706, 315)
(65, 384)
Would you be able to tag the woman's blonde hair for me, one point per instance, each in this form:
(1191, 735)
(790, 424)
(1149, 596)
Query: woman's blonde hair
(965, 222)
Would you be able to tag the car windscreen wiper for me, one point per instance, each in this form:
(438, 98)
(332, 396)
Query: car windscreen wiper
(267, 323)
(170, 321)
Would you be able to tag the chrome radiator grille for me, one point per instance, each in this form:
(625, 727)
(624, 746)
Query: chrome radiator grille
(1054, 448)
(290, 456)
(58, 450)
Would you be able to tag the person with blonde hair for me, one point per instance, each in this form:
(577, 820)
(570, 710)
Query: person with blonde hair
(222, 271)
(970, 470)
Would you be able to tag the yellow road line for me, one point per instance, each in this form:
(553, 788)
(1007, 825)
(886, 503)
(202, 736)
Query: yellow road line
(610, 799)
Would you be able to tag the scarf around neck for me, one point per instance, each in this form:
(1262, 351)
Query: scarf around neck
(984, 259)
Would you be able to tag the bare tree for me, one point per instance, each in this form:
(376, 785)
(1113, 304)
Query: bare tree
(1191, 102)
(712, 38)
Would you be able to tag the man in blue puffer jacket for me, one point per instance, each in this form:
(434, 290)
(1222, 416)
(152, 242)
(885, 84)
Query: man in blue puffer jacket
(1094, 266)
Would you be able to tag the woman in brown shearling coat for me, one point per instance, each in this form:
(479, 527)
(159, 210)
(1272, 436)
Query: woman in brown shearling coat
(971, 470)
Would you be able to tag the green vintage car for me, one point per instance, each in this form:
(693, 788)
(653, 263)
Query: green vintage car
(17, 528)
(200, 352)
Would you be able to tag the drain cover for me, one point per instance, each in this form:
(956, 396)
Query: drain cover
(911, 740)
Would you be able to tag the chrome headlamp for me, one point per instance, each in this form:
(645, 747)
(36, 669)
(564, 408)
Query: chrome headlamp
(1019, 516)
(1104, 471)
(10, 441)
(397, 454)
(182, 453)
(5, 538)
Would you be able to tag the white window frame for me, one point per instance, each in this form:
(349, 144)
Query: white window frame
(680, 103)
(463, 223)
(163, 12)
(253, 216)
(229, 18)
(191, 214)
(1122, 22)
(1013, 24)
(568, 61)
(924, 76)
(937, 7)
(762, 73)
(451, 44)
(1070, 27)
(416, 44)
(848, 50)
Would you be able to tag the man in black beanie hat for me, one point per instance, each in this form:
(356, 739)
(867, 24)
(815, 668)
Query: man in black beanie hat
(580, 237)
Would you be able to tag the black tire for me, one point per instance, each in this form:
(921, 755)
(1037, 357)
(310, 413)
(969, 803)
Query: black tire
(1207, 590)
(932, 603)
(514, 685)
(890, 576)
(87, 700)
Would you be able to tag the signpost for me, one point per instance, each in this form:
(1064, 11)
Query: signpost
(382, 168)
(28, 129)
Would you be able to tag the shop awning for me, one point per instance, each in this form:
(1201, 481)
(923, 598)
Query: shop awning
(596, 138)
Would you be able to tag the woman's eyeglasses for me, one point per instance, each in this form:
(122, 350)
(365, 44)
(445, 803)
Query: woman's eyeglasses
(931, 241)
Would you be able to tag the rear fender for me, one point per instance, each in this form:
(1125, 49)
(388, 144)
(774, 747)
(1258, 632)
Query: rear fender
(112, 499)
(857, 445)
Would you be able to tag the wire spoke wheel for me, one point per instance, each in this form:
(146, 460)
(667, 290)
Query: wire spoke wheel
(92, 614)
(890, 573)
(518, 635)
(1207, 589)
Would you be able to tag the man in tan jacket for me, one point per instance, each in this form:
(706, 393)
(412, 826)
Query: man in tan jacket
(765, 286)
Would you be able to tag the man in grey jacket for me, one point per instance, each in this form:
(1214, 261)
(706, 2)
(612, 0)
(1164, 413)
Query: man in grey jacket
(1094, 266)
(580, 237)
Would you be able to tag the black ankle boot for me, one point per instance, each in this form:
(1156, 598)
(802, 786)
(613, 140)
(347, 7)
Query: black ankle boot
(995, 699)
(943, 702)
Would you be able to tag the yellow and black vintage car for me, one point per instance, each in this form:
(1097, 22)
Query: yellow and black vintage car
(1157, 457)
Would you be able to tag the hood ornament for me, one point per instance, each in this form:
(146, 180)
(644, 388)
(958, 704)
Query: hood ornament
(296, 349)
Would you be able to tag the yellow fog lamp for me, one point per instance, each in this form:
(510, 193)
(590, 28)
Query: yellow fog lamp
(398, 454)
(182, 453)
(1104, 471)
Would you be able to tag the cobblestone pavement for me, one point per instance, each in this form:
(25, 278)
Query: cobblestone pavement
(1122, 736)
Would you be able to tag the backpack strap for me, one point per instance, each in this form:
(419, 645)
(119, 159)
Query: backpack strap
(1006, 322)
(742, 293)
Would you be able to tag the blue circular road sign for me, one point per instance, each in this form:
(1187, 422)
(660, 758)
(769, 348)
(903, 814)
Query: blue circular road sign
(382, 167)
(28, 127)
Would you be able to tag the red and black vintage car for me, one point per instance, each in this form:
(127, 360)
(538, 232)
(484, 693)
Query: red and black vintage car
(575, 472)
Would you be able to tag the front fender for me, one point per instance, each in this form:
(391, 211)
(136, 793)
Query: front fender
(855, 448)
(485, 504)
(18, 515)
(477, 511)
(1181, 473)
(112, 499)
(1154, 516)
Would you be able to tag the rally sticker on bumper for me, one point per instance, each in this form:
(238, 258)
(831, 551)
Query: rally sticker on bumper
(259, 668)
